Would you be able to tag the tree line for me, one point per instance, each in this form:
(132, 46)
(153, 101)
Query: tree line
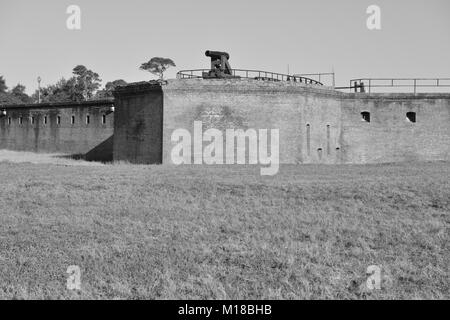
(84, 85)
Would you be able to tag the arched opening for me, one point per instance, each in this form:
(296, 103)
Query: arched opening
(411, 116)
(365, 116)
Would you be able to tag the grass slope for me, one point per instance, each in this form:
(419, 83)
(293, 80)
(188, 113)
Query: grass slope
(164, 232)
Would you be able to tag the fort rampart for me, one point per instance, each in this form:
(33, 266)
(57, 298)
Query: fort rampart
(82, 129)
(316, 124)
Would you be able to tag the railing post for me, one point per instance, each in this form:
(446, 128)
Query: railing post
(415, 83)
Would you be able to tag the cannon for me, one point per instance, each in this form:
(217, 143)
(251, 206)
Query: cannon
(220, 67)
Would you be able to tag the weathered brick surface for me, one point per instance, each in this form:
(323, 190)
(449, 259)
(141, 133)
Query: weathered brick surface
(390, 136)
(146, 114)
(337, 132)
(78, 138)
(258, 105)
(138, 123)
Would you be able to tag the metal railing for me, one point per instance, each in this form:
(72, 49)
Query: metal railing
(320, 76)
(251, 74)
(369, 84)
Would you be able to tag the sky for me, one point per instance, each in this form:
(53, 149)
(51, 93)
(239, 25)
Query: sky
(308, 36)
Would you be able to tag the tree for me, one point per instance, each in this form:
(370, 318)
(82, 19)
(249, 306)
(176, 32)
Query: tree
(19, 92)
(157, 66)
(7, 98)
(82, 86)
(3, 86)
(109, 89)
(110, 86)
(87, 81)
(63, 90)
(15, 96)
(18, 89)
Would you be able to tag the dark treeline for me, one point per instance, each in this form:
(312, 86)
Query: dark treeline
(82, 86)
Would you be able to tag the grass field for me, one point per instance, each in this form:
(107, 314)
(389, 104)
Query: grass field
(165, 232)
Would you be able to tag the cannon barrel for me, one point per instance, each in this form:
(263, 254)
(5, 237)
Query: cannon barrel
(210, 53)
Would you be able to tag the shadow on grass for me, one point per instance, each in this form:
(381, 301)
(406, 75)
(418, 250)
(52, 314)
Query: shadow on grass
(101, 153)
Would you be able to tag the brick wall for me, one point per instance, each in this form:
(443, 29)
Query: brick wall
(327, 121)
(390, 136)
(138, 123)
(227, 104)
(316, 124)
(60, 128)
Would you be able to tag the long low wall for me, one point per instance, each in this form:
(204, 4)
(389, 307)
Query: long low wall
(390, 135)
(77, 129)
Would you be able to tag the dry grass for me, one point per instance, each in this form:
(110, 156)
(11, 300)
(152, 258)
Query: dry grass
(42, 158)
(163, 232)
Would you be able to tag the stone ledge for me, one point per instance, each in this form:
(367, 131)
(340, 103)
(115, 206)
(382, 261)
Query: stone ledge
(68, 104)
(137, 88)
(396, 96)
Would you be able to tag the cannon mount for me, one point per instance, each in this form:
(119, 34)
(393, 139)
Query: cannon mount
(220, 67)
